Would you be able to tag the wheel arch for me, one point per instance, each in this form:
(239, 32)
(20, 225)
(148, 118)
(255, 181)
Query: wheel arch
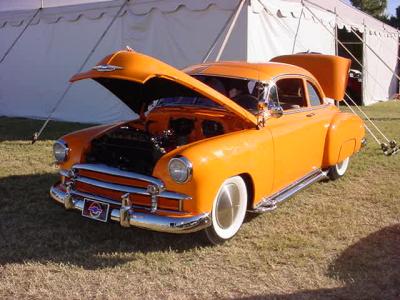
(248, 180)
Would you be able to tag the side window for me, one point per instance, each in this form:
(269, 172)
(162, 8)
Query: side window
(315, 98)
(291, 93)
(273, 98)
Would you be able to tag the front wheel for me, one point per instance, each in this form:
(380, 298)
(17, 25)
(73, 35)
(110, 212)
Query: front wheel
(339, 169)
(229, 210)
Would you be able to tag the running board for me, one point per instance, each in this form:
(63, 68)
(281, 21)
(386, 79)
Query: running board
(271, 202)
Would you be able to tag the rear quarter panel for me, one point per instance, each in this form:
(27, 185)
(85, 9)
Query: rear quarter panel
(343, 138)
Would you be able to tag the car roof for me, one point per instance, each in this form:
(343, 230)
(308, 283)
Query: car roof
(246, 70)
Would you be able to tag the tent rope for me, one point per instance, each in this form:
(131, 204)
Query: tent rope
(37, 134)
(20, 34)
(230, 29)
(298, 27)
(210, 51)
(366, 117)
(373, 51)
(288, 29)
(390, 149)
(345, 48)
(366, 127)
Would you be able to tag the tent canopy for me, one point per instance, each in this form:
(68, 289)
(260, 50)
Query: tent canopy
(179, 32)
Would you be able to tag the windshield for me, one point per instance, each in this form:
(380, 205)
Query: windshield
(188, 101)
(243, 92)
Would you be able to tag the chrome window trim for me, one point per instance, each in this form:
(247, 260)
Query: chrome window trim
(272, 82)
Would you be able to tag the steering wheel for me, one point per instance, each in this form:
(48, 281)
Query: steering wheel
(248, 102)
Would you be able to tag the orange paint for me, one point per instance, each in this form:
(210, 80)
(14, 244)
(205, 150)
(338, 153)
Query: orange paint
(270, 157)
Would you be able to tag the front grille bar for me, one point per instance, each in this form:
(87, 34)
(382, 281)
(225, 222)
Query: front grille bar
(154, 190)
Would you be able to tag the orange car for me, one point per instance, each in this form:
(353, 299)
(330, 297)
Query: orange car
(210, 143)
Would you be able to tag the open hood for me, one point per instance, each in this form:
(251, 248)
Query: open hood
(137, 79)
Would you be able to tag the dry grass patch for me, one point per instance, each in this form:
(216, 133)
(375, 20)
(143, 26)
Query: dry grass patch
(335, 240)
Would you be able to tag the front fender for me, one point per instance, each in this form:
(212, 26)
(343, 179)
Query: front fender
(216, 159)
(343, 139)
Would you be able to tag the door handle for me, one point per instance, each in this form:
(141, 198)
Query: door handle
(310, 115)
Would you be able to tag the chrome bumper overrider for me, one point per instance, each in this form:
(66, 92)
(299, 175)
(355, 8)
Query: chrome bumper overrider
(127, 215)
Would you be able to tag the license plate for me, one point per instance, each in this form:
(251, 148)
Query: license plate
(95, 210)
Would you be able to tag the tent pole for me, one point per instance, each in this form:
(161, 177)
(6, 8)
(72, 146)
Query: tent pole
(228, 34)
(336, 34)
(390, 149)
(37, 134)
(205, 58)
(364, 66)
(20, 35)
(376, 54)
(288, 29)
(345, 48)
(298, 27)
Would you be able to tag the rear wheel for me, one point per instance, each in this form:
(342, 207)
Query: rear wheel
(229, 210)
(339, 169)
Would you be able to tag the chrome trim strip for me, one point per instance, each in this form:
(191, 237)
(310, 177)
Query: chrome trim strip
(129, 189)
(63, 172)
(305, 109)
(101, 168)
(112, 186)
(270, 202)
(113, 202)
(144, 220)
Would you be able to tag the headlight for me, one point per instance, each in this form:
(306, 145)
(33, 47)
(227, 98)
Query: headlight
(60, 151)
(180, 169)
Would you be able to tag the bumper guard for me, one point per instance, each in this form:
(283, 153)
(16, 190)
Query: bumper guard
(127, 215)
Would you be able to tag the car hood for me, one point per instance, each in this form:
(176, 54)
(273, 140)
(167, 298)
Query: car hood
(137, 79)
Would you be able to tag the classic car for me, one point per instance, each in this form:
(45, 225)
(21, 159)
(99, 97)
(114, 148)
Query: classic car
(210, 143)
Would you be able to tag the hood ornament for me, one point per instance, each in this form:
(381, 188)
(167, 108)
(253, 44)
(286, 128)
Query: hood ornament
(106, 68)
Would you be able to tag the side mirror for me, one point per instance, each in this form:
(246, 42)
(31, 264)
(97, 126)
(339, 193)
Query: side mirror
(276, 111)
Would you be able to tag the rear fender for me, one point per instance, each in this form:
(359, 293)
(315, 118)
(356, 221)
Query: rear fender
(343, 138)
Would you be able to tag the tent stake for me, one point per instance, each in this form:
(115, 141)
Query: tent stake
(37, 134)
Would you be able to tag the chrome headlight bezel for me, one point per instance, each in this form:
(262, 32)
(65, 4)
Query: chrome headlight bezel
(180, 169)
(60, 151)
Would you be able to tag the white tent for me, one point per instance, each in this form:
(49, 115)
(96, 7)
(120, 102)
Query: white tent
(35, 73)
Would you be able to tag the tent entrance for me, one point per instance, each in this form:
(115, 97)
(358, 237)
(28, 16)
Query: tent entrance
(355, 46)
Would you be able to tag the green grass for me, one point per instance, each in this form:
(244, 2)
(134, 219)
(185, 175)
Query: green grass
(335, 240)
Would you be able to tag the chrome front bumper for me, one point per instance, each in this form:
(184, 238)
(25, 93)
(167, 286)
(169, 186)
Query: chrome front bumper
(128, 216)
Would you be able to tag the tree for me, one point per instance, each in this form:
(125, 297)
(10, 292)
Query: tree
(395, 20)
(374, 8)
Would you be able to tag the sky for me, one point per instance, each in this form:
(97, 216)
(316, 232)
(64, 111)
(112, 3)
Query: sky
(391, 7)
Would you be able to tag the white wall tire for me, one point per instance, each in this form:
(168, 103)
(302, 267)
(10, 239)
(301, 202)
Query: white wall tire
(339, 169)
(229, 210)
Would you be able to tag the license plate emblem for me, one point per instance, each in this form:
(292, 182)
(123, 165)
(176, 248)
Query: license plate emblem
(95, 210)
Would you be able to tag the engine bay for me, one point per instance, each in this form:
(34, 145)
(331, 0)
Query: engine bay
(137, 145)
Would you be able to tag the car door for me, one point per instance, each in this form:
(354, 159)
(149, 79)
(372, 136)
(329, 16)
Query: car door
(320, 115)
(296, 149)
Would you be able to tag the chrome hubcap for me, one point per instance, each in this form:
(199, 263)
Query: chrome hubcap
(227, 207)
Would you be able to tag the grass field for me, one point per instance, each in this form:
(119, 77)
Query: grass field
(335, 240)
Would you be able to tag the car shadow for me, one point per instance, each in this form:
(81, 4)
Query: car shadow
(369, 268)
(34, 228)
